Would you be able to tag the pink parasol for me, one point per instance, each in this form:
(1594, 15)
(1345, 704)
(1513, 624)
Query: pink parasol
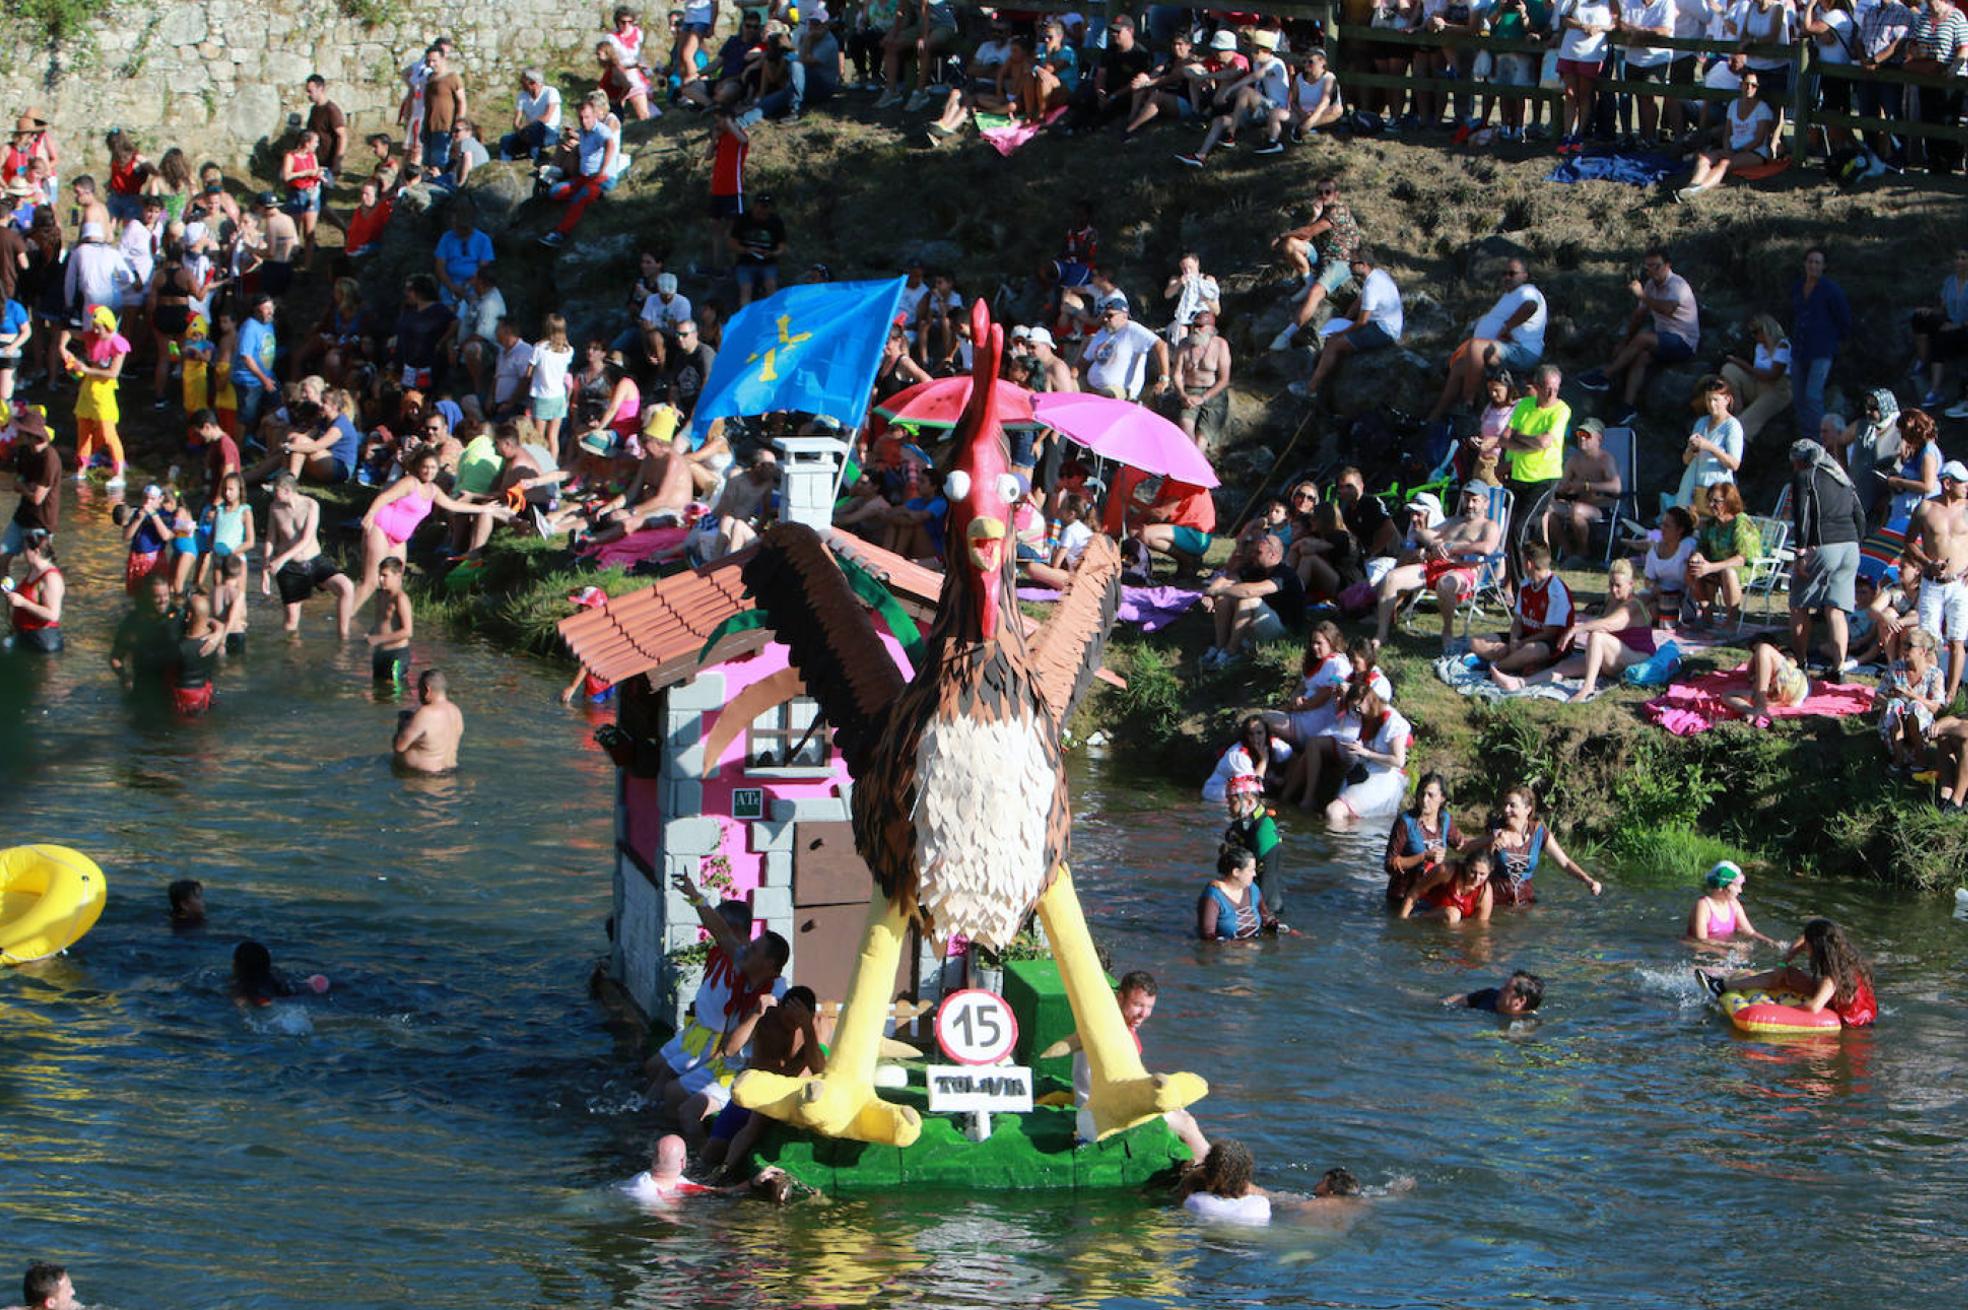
(1127, 433)
(939, 403)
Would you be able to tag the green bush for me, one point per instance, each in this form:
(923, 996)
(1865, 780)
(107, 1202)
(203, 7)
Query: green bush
(1669, 855)
(1152, 701)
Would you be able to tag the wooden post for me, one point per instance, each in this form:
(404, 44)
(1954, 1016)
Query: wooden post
(1800, 101)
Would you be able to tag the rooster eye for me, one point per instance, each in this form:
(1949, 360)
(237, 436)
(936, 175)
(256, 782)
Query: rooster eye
(1008, 488)
(957, 485)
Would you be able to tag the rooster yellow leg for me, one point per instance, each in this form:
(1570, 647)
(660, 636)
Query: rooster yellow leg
(841, 1102)
(1124, 1092)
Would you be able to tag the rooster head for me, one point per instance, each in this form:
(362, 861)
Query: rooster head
(981, 488)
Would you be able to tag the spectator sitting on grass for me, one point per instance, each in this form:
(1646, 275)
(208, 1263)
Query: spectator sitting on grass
(1167, 91)
(1264, 602)
(1940, 335)
(1621, 636)
(1664, 328)
(1253, 100)
(1334, 235)
(1510, 336)
(1540, 618)
(1749, 138)
(1727, 543)
(1312, 102)
(1375, 325)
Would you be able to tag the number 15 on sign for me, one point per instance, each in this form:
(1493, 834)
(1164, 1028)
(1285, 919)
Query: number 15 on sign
(976, 1027)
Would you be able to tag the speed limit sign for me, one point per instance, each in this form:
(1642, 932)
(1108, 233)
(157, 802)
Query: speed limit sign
(974, 1026)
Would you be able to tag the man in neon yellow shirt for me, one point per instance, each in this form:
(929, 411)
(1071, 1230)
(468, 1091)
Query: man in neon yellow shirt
(1534, 446)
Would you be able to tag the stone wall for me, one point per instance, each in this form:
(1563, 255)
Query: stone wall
(220, 77)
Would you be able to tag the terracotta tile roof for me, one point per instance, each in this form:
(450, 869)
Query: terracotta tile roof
(660, 630)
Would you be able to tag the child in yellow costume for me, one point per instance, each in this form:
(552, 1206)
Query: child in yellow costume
(98, 367)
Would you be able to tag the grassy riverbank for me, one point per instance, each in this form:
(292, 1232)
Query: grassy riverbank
(1806, 797)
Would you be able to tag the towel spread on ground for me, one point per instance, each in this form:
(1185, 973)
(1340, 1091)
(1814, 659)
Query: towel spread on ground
(1634, 170)
(1476, 682)
(1687, 708)
(1006, 134)
(650, 543)
(1152, 608)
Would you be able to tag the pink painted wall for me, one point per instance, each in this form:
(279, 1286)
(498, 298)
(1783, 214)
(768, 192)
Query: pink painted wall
(747, 865)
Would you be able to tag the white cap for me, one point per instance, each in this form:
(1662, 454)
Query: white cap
(1955, 471)
(1431, 507)
(1224, 39)
(819, 16)
(1039, 336)
(666, 283)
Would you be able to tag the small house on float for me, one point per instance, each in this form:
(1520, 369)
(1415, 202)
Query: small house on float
(725, 775)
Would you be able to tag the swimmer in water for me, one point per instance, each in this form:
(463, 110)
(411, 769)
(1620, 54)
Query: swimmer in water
(663, 1183)
(1136, 996)
(47, 1287)
(1221, 1188)
(187, 903)
(254, 979)
(1520, 995)
(389, 635)
(1719, 916)
(427, 737)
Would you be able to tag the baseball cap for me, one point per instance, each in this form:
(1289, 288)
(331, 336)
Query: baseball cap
(1224, 40)
(1475, 487)
(1039, 336)
(819, 16)
(1595, 426)
(268, 200)
(1955, 471)
(1021, 333)
(1107, 303)
(588, 598)
(666, 282)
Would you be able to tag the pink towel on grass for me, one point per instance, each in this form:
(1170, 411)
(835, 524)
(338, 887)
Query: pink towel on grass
(1687, 708)
(650, 543)
(1004, 140)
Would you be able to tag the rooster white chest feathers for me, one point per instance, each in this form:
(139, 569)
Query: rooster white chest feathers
(984, 795)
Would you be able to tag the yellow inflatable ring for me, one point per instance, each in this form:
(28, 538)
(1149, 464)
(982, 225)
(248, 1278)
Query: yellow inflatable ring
(49, 897)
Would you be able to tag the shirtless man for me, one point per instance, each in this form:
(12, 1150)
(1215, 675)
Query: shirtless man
(520, 471)
(1937, 542)
(47, 1287)
(742, 506)
(1058, 373)
(1202, 381)
(1591, 480)
(294, 559)
(389, 636)
(783, 1041)
(427, 737)
(657, 495)
(283, 242)
(89, 206)
(1445, 558)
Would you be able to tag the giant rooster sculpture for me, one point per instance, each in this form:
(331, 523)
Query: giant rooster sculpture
(960, 808)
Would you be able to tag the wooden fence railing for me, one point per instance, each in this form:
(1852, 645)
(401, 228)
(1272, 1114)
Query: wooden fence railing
(1805, 68)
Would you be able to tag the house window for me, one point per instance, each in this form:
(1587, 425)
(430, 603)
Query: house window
(785, 737)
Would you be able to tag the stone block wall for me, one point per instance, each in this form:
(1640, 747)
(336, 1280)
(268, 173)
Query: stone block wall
(220, 77)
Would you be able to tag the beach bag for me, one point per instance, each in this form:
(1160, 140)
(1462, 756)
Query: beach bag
(1361, 123)
(1658, 669)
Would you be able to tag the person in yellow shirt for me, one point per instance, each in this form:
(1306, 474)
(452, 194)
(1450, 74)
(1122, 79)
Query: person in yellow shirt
(1534, 448)
(97, 369)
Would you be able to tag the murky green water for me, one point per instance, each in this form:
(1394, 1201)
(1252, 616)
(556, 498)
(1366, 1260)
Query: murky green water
(445, 1128)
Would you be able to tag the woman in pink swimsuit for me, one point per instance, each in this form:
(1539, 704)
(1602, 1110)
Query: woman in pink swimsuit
(1718, 917)
(394, 516)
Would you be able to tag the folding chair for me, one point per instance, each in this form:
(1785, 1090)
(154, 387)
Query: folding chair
(1770, 569)
(1624, 447)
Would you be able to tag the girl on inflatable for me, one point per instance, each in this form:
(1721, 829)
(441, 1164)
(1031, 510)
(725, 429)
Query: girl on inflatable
(1839, 978)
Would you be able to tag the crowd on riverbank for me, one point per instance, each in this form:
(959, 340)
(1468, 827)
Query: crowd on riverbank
(471, 416)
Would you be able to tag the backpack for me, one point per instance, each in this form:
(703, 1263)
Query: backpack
(1849, 167)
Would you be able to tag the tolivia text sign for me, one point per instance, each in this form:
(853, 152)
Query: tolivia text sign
(956, 1088)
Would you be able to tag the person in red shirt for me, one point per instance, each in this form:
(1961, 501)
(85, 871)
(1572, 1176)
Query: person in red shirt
(729, 148)
(1177, 522)
(1543, 613)
(221, 451)
(363, 227)
(1839, 979)
(300, 172)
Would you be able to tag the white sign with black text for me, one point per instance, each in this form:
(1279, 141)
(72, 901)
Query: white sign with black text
(1005, 1088)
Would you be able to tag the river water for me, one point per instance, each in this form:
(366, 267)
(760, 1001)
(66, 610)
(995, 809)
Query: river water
(446, 1126)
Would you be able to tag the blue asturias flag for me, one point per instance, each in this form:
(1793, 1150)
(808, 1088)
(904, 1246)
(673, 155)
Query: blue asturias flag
(813, 348)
